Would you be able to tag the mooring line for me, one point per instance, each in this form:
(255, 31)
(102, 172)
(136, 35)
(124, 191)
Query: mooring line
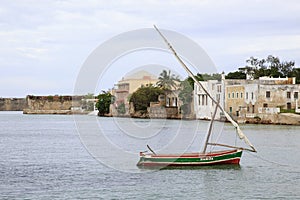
(269, 161)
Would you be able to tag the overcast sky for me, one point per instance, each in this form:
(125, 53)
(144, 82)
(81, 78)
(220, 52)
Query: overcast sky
(44, 43)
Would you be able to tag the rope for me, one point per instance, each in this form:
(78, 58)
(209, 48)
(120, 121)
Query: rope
(268, 161)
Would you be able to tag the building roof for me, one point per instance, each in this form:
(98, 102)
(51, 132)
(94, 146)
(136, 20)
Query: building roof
(142, 74)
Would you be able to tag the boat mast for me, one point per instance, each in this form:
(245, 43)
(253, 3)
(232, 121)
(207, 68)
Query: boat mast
(210, 129)
(238, 130)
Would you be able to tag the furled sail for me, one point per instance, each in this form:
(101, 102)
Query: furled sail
(241, 135)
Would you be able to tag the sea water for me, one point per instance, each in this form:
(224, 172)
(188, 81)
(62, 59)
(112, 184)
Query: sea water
(65, 157)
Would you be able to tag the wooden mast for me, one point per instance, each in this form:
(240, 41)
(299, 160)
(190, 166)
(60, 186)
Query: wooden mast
(239, 131)
(210, 129)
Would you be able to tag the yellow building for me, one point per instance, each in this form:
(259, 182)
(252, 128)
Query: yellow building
(129, 84)
(235, 99)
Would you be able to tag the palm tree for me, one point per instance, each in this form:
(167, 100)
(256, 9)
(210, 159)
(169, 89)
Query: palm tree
(168, 81)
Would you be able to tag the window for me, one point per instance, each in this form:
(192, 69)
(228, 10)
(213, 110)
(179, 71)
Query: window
(202, 100)
(268, 94)
(199, 100)
(230, 109)
(246, 95)
(288, 95)
(219, 88)
(232, 95)
(295, 95)
(265, 105)
(241, 95)
(237, 95)
(228, 95)
(218, 97)
(168, 102)
(252, 96)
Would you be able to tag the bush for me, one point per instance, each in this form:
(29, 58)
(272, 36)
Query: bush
(143, 96)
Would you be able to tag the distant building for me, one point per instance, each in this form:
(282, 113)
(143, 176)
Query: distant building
(129, 84)
(203, 105)
(247, 98)
(265, 95)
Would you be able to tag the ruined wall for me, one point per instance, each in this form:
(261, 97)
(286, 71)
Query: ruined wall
(52, 104)
(158, 111)
(278, 96)
(280, 118)
(12, 104)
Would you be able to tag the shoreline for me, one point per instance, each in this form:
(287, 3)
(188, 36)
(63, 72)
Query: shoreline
(278, 119)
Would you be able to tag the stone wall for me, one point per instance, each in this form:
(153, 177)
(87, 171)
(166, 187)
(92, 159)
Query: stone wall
(280, 118)
(53, 105)
(12, 104)
(158, 111)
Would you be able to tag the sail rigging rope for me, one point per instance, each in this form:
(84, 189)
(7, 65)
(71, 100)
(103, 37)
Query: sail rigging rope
(268, 161)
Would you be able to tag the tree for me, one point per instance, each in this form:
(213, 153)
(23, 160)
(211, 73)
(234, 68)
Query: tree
(88, 105)
(271, 66)
(186, 95)
(103, 103)
(295, 73)
(121, 109)
(167, 81)
(204, 77)
(143, 96)
(236, 75)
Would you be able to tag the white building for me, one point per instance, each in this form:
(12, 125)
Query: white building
(203, 105)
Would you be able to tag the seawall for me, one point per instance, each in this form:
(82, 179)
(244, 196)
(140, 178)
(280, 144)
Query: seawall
(279, 119)
(12, 104)
(54, 105)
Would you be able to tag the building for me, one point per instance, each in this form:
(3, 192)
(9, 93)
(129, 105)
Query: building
(267, 95)
(240, 97)
(129, 84)
(248, 98)
(203, 105)
(278, 96)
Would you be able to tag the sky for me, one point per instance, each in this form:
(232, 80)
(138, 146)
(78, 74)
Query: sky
(45, 43)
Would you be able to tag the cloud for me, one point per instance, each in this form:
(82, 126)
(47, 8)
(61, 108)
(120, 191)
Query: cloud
(60, 34)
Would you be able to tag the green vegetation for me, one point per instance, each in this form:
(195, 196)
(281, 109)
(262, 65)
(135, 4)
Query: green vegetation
(50, 98)
(167, 81)
(236, 75)
(257, 118)
(88, 105)
(287, 110)
(143, 96)
(204, 77)
(103, 103)
(270, 66)
(121, 109)
(186, 96)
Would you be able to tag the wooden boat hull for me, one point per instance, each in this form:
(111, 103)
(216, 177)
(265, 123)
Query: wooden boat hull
(190, 159)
